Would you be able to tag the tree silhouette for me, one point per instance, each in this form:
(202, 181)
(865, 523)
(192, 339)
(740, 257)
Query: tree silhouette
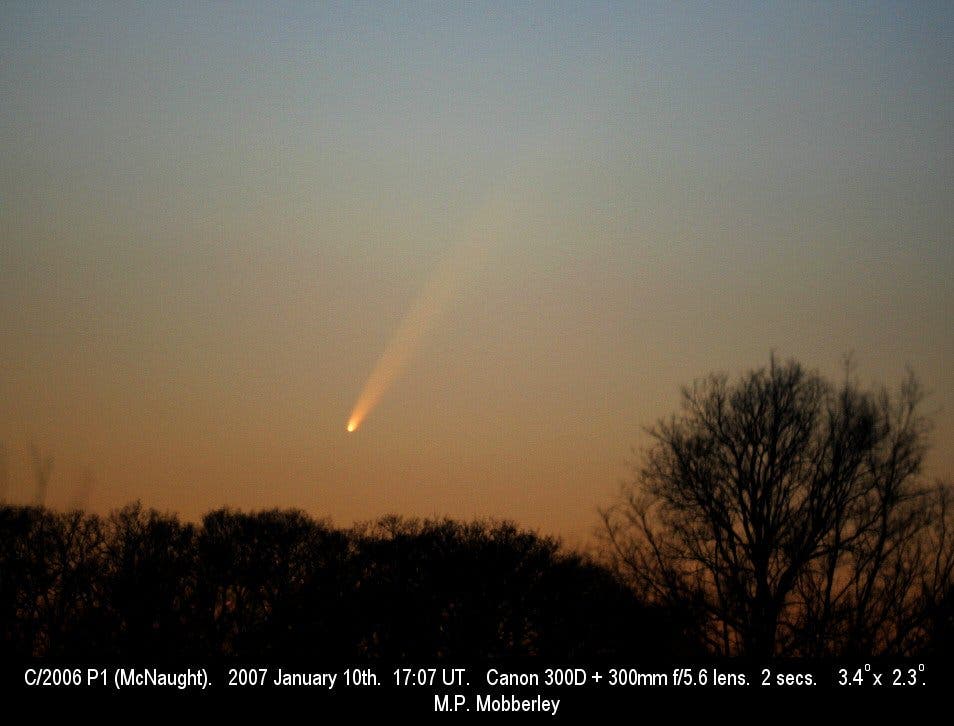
(27, 578)
(485, 590)
(42, 468)
(277, 585)
(781, 514)
(268, 583)
(4, 474)
(148, 582)
(49, 586)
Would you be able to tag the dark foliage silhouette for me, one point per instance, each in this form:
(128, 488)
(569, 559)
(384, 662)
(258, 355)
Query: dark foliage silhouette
(148, 582)
(278, 585)
(784, 515)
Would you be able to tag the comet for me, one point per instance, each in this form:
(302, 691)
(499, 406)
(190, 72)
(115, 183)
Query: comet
(489, 228)
(457, 267)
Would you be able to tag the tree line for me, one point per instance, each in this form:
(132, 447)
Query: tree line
(278, 585)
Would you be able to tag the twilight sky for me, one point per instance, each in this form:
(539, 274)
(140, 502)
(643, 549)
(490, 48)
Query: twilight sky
(213, 219)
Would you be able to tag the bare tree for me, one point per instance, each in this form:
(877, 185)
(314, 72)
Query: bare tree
(4, 474)
(781, 514)
(42, 468)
